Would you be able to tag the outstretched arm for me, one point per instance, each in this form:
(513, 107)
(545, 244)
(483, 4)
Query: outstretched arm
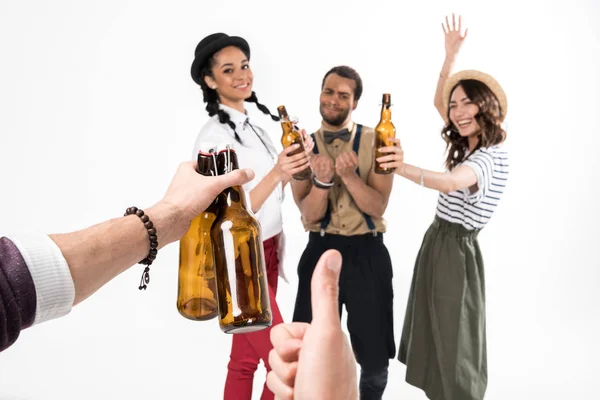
(41, 277)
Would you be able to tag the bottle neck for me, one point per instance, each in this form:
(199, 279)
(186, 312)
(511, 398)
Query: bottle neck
(287, 126)
(234, 197)
(234, 162)
(386, 113)
(206, 165)
(226, 161)
(283, 115)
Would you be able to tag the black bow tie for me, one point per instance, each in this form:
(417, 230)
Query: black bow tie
(329, 137)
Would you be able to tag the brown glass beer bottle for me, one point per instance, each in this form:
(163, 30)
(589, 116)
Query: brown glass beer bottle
(197, 289)
(292, 136)
(384, 133)
(242, 288)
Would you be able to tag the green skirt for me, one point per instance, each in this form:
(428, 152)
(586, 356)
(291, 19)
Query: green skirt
(443, 341)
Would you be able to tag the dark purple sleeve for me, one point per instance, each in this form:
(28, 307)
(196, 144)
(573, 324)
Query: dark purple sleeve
(17, 294)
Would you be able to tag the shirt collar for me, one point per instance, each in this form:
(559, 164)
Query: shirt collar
(349, 126)
(238, 118)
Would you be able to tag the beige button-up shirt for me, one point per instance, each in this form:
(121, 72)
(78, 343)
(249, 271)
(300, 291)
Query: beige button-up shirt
(346, 218)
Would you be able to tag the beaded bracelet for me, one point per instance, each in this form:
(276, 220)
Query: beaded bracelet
(153, 244)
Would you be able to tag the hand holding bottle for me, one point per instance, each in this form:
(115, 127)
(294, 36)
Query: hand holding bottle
(292, 137)
(309, 144)
(394, 158)
(191, 193)
(288, 165)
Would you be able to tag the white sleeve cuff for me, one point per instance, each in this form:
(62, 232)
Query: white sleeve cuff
(55, 291)
(247, 188)
(473, 198)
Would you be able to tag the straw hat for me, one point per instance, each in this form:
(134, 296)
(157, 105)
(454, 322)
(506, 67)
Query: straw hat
(481, 77)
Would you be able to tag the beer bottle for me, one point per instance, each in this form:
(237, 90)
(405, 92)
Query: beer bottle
(292, 136)
(243, 292)
(197, 289)
(384, 133)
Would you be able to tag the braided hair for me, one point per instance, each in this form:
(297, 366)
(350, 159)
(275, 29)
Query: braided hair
(211, 98)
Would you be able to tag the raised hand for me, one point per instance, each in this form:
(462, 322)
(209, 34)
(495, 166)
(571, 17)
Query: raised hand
(453, 35)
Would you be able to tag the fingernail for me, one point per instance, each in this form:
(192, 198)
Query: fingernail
(334, 263)
(249, 173)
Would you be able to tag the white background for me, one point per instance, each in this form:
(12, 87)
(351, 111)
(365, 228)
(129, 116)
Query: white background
(97, 109)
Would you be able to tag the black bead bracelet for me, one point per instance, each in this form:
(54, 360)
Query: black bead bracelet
(153, 244)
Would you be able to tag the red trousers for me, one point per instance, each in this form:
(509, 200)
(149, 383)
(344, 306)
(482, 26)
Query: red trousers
(249, 348)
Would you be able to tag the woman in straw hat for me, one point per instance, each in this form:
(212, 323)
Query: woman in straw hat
(221, 67)
(443, 340)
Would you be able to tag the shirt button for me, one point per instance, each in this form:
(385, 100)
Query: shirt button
(341, 206)
(343, 225)
(339, 185)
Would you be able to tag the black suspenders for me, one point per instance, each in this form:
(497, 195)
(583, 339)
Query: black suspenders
(355, 146)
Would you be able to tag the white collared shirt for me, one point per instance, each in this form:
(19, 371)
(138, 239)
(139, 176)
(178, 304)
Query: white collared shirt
(257, 152)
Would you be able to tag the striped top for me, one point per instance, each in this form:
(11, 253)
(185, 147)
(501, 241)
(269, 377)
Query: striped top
(474, 210)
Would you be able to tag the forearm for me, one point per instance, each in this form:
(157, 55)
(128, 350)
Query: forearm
(367, 199)
(98, 254)
(447, 67)
(301, 189)
(263, 190)
(314, 205)
(442, 182)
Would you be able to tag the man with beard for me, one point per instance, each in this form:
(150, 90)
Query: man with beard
(342, 208)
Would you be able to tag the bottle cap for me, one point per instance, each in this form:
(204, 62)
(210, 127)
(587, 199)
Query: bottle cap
(207, 148)
(224, 146)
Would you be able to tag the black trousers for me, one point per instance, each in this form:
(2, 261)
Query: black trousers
(366, 291)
